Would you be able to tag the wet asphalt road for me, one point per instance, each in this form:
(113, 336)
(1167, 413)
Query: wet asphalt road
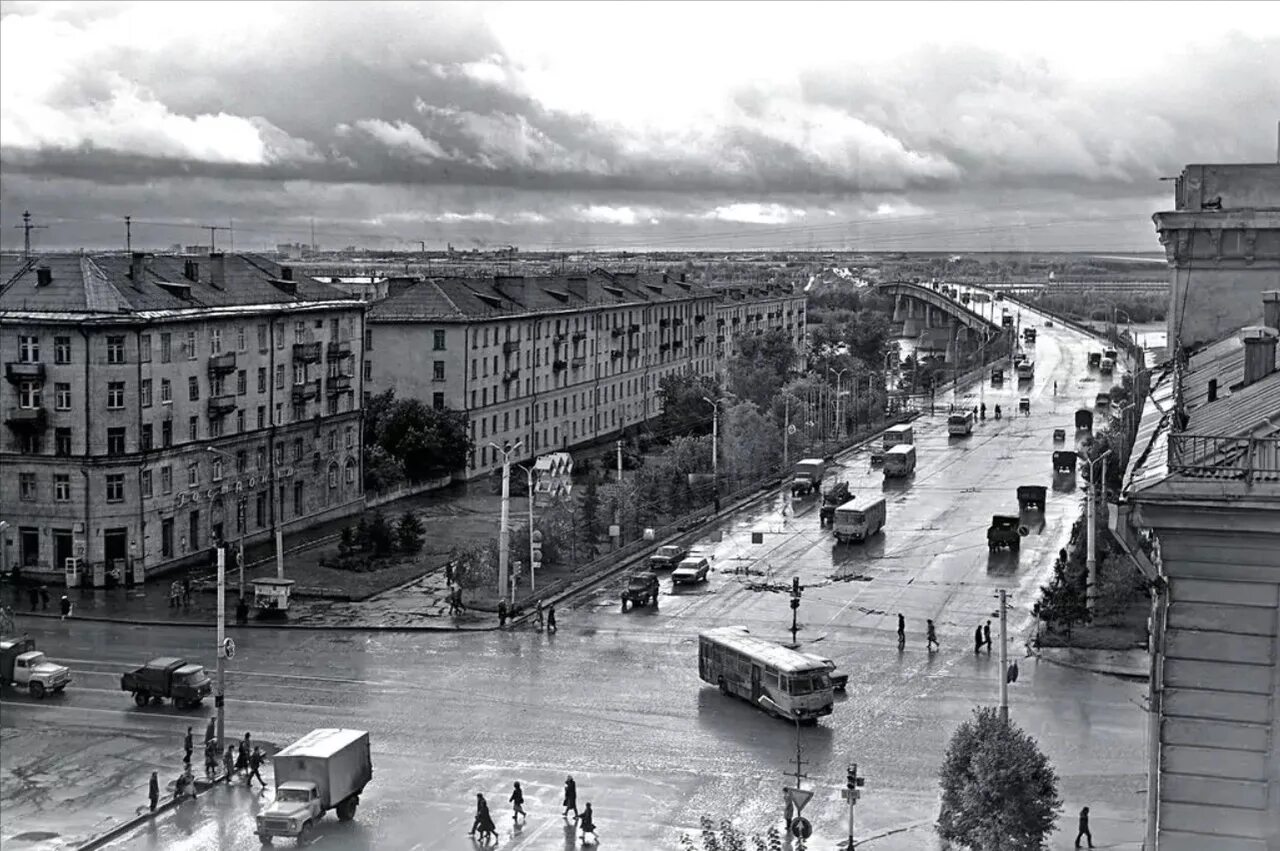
(615, 700)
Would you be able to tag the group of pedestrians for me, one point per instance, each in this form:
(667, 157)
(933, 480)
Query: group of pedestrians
(180, 593)
(246, 759)
(982, 638)
(931, 634)
(483, 828)
(38, 597)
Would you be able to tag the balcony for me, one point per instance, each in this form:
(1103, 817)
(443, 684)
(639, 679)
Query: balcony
(664, 346)
(338, 350)
(306, 390)
(615, 354)
(306, 352)
(17, 372)
(677, 345)
(338, 384)
(616, 332)
(222, 364)
(677, 322)
(510, 346)
(27, 419)
(579, 336)
(699, 319)
(700, 339)
(559, 364)
(719, 323)
(579, 363)
(633, 352)
(559, 338)
(510, 375)
(220, 406)
(634, 328)
(663, 323)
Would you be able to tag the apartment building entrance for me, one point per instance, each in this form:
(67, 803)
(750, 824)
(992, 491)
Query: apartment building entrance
(63, 548)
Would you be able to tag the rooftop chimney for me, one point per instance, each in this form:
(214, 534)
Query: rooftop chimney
(1271, 309)
(218, 269)
(137, 266)
(1259, 353)
(44, 276)
(1213, 390)
(286, 273)
(511, 287)
(578, 286)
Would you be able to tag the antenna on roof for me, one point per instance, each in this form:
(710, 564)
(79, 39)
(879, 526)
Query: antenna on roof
(27, 228)
(212, 229)
(128, 234)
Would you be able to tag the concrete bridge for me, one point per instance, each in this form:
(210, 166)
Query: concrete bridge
(938, 322)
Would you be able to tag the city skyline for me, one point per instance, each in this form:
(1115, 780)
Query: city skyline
(866, 126)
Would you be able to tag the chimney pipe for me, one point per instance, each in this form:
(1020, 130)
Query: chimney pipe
(137, 266)
(217, 269)
(1213, 390)
(44, 276)
(1271, 309)
(286, 273)
(1259, 353)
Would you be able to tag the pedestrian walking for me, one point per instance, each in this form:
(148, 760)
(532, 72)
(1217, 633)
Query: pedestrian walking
(175, 594)
(986, 633)
(229, 762)
(517, 802)
(185, 785)
(154, 792)
(587, 824)
(1084, 828)
(902, 631)
(186, 592)
(539, 620)
(44, 598)
(570, 797)
(502, 613)
(187, 747)
(483, 823)
(65, 605)
(209, 731)
(242, 758)
(551, 618)
(33, 594)
(255, 763)
(448, 574)
(1055, 388)
(211, 759)
(931, 637)
(978, 643)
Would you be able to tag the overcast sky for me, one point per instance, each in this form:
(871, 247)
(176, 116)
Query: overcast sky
(611, 125)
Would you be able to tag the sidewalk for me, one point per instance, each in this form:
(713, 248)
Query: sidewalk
(1130, 664)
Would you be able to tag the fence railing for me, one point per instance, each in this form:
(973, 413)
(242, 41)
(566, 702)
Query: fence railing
(1207, 456)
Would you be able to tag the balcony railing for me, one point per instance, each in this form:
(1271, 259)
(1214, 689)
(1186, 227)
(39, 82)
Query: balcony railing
(27, 419)
(614, 354)
(220, 406)
(339, 350)
(634, 328)
(616, 332)
(338, 384)
(1204, 456)
(17, 372)
(510, 346)
(306, 352)
(510, 375)
(222, 364)
(558, 364)
(306, 390)
(579, 336)
(579, 363)
(663, 323)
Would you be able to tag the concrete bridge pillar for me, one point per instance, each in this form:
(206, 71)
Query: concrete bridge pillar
(899, 310)
(954, 345)
(911, 325)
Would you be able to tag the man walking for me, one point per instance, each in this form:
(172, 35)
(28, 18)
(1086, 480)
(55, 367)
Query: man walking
(208, 732)
(517, 802)
(986, 633)
(570, 797)
(931, 637)
(978, 643)
(65, 606)
(502, 614)
(187, 747)
(588, 825)
(1084, 828)
(255, 763)
(902, 631)
(551, 618)
(154, 792)
(33, 594)
(186, 592)
(211, 759)
(44, 598)
(229, 762)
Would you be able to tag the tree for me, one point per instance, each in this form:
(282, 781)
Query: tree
(761, 366)
(752, 442)
(379, 534)
(999, 792)
(429, 442)
(409, 532)
(381, 471)
(684, 407)
(475, 567)
(1064, 601)
(590, 523)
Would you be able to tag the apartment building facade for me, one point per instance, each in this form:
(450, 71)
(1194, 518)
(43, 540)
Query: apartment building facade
(155, 404)
(751, 309)
(552, 362)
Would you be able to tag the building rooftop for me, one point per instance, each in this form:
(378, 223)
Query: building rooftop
(88, 285)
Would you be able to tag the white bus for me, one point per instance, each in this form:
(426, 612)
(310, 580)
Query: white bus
(894, 435)
(738, 663)
(900, 461)
(859, 518)
(1027, 370)
(961, 422)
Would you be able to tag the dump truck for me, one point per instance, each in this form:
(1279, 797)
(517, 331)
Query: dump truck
(168, 677)
(23, 666)
(324, 770)
(1003, 532)
(835, 497)
(1084, 419)
(1031, 497)
(1107, 366)
(807, 476)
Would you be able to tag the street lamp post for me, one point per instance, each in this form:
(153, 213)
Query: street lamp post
(1097, 484)
(219, 700)
(715, 448)
(839, 376)
(240, 543)
(528, 473)
(504, 531)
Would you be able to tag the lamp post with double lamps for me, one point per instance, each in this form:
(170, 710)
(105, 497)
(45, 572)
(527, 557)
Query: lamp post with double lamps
(715, 448)
(505, 587)
(839, 377)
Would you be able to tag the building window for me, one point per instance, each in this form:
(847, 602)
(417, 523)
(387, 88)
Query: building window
(240, 341)
(146, 484)
(193, 530)
(166, 479)
(333, 475)
(144, 348)
(297, 449)
(351, 471)
(242, 382)
(262, 379)
(279, 335)
(144, 439)
(262, 337)
(242, 461)
(62, 441)
(332, 405)
(166, 434)
(262, 458)
(215, 426)
(368, 370)
(297, 499)
(299, 373)
(61, 487)
(279, 376)
(189, 347)
(193, 428)
(166, 348)
(193, 389)
(300, 411)
(28, 349)
(144, 392)
(217, 386)
(166, 537)
(262, 416)
(115, 487)
(279, 413)
(438, 344)
(368, 339)
(437, 370)
(115, 395)
(239, 422)
(193, 474)
(299, 332)
(62, 396)
(260, 510)
(437, 401)
(279, 454)
(29, 395)
(62, 350)
(115, 440)
(333, 441)
(27, 487)
(166, 392)
(216, 469)
(349, 437)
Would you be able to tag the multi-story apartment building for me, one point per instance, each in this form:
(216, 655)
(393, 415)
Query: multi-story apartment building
(560, 361)
(153, 405)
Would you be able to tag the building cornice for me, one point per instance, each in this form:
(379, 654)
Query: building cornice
(149, 317)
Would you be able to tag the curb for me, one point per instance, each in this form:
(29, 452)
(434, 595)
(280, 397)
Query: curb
(1105, 671)
(281, 626)
(137, 821)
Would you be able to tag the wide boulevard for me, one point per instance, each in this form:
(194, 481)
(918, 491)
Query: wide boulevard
(614, 699)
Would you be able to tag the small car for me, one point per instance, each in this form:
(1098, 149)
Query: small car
(1059, 435)
(667, 557)
(1048, 323)
(692, 569)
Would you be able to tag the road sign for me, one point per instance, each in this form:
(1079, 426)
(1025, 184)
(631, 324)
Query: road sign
(800, 828)
(798, 797)
(228, 648)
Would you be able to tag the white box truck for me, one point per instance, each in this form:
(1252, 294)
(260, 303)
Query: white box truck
(325, 769)
(859, 518)
(900, 461)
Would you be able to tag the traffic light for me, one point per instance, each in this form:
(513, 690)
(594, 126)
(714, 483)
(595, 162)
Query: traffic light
(854, 784)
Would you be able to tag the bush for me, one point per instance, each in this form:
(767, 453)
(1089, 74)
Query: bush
(1120, 586)
(378, 534)
(409, 533)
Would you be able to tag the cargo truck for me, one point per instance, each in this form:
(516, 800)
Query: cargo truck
(324, 770)
(168, 677)
(807, 476)
(23, 666)
(859, 518)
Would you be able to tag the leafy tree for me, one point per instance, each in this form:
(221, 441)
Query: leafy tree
(428, 442)
(475, 567)
(684, 407)
(361, 536)
(752, 442)
(762, 365)
(999, 792)
(376, 411)
(379, 534)
(409, 532)
(590, 523)
(381, 471)
(1064, 601)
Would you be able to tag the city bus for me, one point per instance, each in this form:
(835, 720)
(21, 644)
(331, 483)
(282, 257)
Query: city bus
(1026, 370)
(960, 423)
(738, 663)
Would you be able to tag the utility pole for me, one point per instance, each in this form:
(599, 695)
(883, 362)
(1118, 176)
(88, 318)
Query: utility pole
(27, 228)
(504, 530)
(1004, 658)
(795, 608)
(853, 783)
(786, 431)
(619, 448)
(128, 235)
(219, 700)
(715, 449)
(1097, 486)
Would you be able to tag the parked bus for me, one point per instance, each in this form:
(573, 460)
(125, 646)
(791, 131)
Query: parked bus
(859, 518)
(900, 461)
(961, 423)
(794, 685)
(894, 435)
